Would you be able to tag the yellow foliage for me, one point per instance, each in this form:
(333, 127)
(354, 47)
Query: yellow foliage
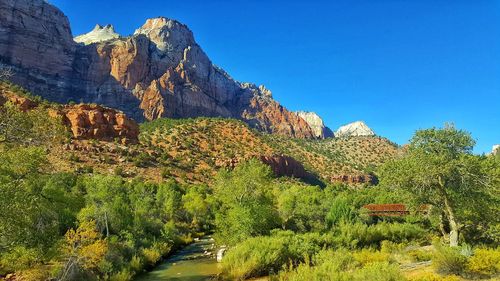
(86, 245)
(151, 255)
(434, 277)
(367, 256)
(484, 262)
(34, 274)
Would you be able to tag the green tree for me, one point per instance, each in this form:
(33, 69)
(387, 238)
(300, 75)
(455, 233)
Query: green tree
(198, 204)
(301, 207)
(246, 206)
(440, 169)
(107, 204)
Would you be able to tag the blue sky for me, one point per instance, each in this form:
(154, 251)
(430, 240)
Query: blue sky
(399, 65)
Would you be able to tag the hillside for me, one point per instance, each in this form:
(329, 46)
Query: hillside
(339, 159)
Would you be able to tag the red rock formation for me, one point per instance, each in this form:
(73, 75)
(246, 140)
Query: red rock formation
(285, 166)
(23, 103)
(96, 122)
(159, 71)
(271, 117)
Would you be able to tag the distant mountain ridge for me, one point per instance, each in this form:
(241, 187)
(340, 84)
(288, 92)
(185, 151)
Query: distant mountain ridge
(159, 71)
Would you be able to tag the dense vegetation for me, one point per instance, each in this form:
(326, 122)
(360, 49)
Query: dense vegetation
(85, 224)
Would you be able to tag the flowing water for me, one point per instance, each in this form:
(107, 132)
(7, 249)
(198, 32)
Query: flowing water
(195, 262)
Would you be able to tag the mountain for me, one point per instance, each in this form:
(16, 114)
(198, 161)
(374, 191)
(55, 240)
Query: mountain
(316, 123)
(355, 129)
(191, 150)
(159, 71)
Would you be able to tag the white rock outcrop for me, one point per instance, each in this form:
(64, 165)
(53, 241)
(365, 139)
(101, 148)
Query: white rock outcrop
(355, 129)
(98, 34)
(496, 149)
(316, 124)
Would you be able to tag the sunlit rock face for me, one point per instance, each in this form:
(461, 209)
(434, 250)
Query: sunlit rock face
(316, 123)
(98, 34)
(496, 149)
(355, 129)
(159, 71)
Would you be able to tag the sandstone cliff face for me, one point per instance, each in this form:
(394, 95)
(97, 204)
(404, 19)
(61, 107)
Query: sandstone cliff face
(319, 128)
(87, 121)
(159, 71)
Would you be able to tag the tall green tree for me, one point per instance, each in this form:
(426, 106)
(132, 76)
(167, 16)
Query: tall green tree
(246, 206)
(441, 170)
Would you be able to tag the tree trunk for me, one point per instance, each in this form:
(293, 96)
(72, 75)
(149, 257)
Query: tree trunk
(442, 226)
(106, 221)
(452, 221)
(451, 215)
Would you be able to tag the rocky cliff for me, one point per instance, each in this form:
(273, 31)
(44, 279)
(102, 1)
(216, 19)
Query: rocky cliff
(319, 128)
(355, 129)
(84, 121)
(159, 71)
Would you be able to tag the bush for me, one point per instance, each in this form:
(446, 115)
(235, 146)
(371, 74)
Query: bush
(367, 256)
(485, 262)
(255, 257)
(123, 275)
(449, 260)
(420, 255)
(18, 258)
(151, 256)
(360, 235)
(428, 276)
(260, 255)
(340, 265)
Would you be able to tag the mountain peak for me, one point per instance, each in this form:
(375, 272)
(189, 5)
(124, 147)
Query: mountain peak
(355, 129)
(167, 34)
(316, 124)
(98, 34)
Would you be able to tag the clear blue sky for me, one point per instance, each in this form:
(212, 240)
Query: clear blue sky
(399, 65)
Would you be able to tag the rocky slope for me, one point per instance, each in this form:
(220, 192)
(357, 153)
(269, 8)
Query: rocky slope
(84, 121)
(193, 150)
(316, 123)
(355, 129)
(159, 71)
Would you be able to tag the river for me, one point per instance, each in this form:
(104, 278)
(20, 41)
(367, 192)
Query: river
(195, 262)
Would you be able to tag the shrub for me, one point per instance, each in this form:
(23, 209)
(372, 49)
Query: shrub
(18, 258)
(378, 271)
(151, 256)
(448, 260)
(255, 257)
(261, 255)
(340, 265)
(118, 171)
(123, 275)
(368, 256)
(420, 255)
(360, 235)
(429, 276)
(136, 263)
(484, 262)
